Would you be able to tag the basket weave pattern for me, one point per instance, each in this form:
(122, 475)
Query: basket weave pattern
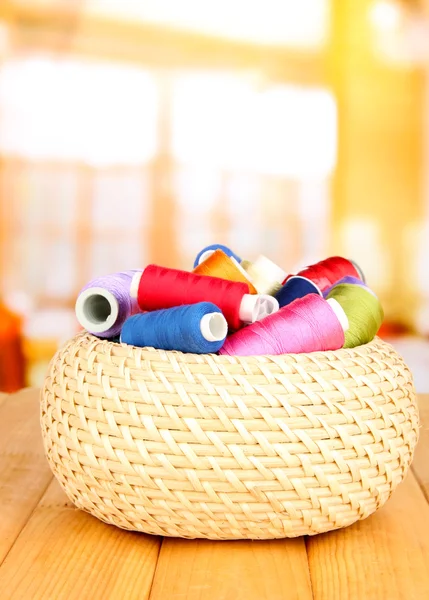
(228, 447)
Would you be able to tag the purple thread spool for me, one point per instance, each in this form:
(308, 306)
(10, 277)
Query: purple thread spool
(347, 279)
(105, 303)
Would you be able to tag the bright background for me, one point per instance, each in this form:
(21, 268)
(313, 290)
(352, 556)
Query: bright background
(139, 131)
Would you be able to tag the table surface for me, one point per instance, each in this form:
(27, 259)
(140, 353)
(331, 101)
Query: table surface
(50, 550)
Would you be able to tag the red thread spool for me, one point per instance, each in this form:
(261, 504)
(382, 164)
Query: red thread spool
(161, 287)
(327, 272)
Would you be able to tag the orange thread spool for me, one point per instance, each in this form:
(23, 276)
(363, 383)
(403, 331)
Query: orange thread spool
(220, 265)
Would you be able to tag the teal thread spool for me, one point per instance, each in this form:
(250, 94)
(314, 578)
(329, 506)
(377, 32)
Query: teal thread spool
(363, 310)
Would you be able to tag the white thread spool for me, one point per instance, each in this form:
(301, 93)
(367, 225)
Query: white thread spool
(266, 276)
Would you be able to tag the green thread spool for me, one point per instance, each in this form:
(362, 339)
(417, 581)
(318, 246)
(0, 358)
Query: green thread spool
(363, 310)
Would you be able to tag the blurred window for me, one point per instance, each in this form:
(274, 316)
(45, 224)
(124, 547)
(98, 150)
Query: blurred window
(273, 22)
(92, 153)
(64, 109)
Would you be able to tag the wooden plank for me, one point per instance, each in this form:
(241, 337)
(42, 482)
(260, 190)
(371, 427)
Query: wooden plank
(420, 464)
(241, 570)
(22, 482)
(20, 424)
(385, 556)
(55, 496)
(64, 553)
(24, 471)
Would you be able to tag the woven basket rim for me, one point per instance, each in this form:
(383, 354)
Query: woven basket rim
(122, 349)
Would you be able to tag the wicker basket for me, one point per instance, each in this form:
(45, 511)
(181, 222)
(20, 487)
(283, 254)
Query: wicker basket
(228, 447)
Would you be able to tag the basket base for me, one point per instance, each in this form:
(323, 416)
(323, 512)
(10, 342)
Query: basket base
(228, 448)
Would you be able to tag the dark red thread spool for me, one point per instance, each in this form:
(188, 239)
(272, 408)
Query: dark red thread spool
(327, 272)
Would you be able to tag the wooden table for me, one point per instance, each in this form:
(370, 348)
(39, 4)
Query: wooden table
(49, 550)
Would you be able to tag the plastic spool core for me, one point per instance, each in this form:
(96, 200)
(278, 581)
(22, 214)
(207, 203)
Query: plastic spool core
(339, 311)
(267, 305)
(97, 309)
(213, 327)
(135, 283)
(240, 268)
(205, 255)
(358, 269)
(256, 307)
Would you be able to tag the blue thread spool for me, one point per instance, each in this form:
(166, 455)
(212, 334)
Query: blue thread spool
(296, 287)
(208, 251)
(199, 328)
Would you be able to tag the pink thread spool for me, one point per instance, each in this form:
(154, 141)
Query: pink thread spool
(308, 324)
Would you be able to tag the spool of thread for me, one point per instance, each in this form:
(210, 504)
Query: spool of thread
(327, 272)
(266, 276)
(105, 303)
(199, 328)
(364, 312)
(308, 324)
(296, 287)
(347, 279)
(160, 287)
(220, 265)
(208, 251)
